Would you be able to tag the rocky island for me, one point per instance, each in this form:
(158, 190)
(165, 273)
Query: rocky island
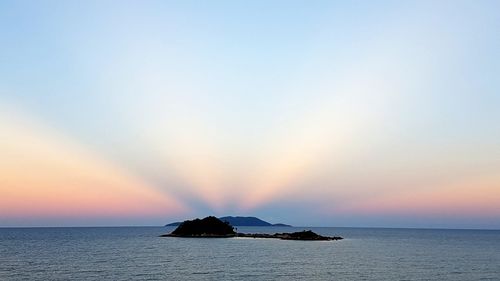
(301, 235)
(212, 227)
(207, 227)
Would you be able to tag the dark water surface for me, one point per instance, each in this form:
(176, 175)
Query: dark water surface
(137, 253)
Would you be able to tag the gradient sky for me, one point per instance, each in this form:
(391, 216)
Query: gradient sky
(326, 113)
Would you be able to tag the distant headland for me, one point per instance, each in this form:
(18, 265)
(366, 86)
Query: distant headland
(240, 221)
(212, 227)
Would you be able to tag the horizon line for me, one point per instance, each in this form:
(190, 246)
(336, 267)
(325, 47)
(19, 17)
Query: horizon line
(370, 227)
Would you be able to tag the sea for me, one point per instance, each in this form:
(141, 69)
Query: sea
(137, 253)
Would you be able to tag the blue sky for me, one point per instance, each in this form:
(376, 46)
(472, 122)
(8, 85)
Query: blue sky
(358, 113)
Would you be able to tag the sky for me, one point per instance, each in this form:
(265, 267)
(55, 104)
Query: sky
(311, 113)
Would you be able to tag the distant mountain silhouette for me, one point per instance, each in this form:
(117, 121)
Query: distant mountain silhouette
(240, 221)
(281, 224)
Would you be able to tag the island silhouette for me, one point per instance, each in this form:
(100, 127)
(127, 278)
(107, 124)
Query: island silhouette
(212, 227)
(240, 221)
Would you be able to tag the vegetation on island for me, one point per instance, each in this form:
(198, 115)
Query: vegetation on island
(207, 227)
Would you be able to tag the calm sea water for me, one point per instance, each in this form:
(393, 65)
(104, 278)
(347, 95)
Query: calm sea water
(137, 253)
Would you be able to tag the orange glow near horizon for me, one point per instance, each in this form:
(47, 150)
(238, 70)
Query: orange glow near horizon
(45, 174)
(472, 197)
